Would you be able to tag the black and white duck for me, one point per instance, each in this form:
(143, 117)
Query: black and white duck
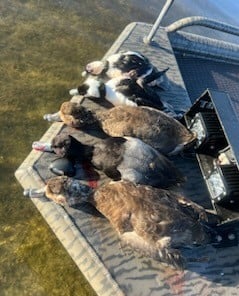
(152, 126)
(119, 158)
(153, 221)
(120, 91)
(128, 63)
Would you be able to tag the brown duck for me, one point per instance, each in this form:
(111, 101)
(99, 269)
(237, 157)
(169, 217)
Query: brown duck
(152, 126)
(153, 221)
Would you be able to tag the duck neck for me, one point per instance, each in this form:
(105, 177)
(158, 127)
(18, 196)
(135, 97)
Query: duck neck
(105, 69)
(79, 193)
(93, 119)
(80, 152)
(93, 198)
(102, 90)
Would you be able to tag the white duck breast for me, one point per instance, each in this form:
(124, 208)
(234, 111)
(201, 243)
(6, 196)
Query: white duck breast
(96, 89)
(93, 90)
(90, 88)
(115, 97)
(120, 91)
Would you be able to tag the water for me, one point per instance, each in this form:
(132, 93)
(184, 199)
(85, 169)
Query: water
(44, 46)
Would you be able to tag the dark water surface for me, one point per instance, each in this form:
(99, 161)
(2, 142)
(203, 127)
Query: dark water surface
(43, 48)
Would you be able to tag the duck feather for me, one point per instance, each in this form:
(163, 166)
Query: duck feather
(153, 221)
(121, 158)
(152, 126)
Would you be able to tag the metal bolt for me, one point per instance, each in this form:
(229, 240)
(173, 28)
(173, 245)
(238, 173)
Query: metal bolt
(231, 236)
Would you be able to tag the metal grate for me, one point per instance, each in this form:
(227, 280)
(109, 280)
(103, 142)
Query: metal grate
(201, 73)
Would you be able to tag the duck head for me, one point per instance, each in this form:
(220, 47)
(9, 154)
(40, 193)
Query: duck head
(75, 115)
(94, 68)
(62, 190)
(60, 145)
(65, 190)
(65, 145)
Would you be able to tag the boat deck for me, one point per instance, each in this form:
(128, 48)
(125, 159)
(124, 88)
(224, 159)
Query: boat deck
(110, 268)
(216, 75)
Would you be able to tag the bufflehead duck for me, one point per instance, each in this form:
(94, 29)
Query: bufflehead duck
(153, 221)
(120, 91)
(120, 158)
(128, 63)
(152, 126)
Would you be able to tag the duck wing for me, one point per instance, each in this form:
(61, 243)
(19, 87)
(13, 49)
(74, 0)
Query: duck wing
(146, 221)
(142, 96)
(190, 208)
(163, 132)
(154, 127)
(144, 165)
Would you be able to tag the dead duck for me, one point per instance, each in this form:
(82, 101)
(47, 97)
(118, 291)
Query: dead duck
(152, 126)
(120, 91)
(128, 63)
(153, 221)
(120, 158)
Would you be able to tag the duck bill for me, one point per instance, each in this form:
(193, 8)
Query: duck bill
(42, 146)
(54, 117)
(35, 193)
